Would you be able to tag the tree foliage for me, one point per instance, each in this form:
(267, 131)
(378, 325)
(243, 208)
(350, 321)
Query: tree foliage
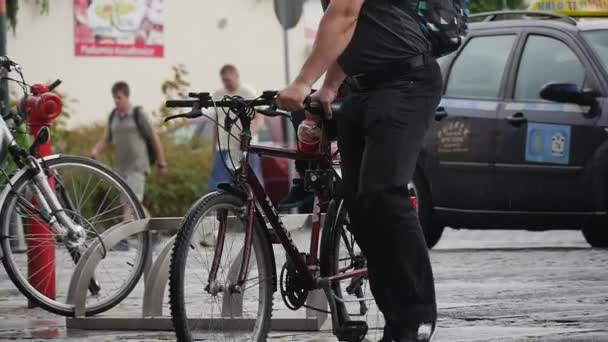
(12, 9)
(174, 88)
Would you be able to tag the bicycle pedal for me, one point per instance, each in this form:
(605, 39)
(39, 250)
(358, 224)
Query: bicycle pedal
(352, 331)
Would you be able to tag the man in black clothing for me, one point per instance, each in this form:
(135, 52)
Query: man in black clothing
(397, 89)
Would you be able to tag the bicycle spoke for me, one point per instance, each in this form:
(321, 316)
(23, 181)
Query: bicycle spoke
(83, 198)
(51, 262)
(94, 219)
(101, 205)
(107, 219)
(256, 284)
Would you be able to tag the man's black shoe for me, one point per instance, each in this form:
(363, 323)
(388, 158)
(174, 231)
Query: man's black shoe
(297, 196)
(425, 333)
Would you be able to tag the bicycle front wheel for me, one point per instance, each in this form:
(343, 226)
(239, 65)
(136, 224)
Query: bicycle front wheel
(216, 309)
(37, 258)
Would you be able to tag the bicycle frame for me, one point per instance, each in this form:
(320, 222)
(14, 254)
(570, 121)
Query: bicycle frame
(247, 181)
(42, 190)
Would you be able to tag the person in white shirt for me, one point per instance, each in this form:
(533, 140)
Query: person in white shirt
(226, 147)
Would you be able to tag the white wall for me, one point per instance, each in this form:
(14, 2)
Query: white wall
(252, 40)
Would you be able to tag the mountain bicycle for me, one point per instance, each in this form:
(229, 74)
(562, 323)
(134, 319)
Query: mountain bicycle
(52, 209)
(226, 291)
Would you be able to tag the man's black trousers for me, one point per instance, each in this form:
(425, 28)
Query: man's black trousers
(380, 135)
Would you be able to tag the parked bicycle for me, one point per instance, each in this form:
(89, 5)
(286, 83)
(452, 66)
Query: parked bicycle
(54, 208)
(226, 292)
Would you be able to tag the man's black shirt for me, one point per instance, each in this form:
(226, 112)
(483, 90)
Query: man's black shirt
(386, 33)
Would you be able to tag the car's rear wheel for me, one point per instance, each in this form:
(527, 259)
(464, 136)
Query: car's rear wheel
(596, 234)
(420, 190)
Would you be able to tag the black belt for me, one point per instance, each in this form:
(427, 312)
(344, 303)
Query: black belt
(393, 72)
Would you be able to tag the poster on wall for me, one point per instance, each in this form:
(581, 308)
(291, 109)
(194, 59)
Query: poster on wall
(118, 28)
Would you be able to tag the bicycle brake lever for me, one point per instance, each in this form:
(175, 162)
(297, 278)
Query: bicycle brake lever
(272, 112)
(190, 115)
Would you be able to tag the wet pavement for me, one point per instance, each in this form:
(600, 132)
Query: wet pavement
(491, 286)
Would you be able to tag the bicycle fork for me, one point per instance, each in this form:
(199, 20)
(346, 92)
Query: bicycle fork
(50, 210)
(213, 286)
(49, 203)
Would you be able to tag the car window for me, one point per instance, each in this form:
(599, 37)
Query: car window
(478, 70)
(599, 43)
(444, 63)
(546, 60)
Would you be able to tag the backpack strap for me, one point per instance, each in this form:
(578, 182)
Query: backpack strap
(110, 119)
(138, 116)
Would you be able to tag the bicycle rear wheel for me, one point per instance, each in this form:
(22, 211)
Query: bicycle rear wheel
(96, 199)
(216, 310)
(339, 254)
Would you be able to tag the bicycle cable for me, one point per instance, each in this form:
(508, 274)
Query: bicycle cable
(245, 108)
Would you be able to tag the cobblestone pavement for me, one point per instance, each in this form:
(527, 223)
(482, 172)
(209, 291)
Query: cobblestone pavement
(491, 286)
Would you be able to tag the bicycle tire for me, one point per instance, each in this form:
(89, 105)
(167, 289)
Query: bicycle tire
(177, 269)
(24, 287)
(330, 246)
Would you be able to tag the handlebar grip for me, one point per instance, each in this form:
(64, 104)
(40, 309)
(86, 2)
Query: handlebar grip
(316, 108)
(181, 103)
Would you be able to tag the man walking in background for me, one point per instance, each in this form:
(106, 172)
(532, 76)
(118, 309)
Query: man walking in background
(136, 143)
(226, 147)
(227, 153)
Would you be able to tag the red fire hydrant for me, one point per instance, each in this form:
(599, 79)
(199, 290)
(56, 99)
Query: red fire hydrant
(42, 107)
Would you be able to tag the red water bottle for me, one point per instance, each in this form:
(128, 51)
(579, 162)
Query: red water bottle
(309, 136)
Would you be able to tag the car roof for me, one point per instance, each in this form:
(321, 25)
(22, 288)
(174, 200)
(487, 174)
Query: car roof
(521, 23)
(537, 19)
(593, 24)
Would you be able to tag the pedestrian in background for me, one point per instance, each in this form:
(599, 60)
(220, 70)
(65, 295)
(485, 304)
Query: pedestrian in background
(227, 153)
(137, 146)
(226, 147)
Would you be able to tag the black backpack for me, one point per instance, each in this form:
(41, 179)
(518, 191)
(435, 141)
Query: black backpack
(138, 116)
(444, 22)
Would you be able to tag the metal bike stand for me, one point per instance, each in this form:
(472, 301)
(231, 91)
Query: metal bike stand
(156, 276)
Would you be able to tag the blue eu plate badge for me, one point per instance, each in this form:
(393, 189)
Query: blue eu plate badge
(548, 143)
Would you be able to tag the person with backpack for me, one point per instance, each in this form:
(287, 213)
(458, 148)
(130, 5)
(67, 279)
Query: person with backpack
(137, 145)
(388, 48)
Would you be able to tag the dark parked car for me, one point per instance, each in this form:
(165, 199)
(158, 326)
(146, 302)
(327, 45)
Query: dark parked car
(525, 141)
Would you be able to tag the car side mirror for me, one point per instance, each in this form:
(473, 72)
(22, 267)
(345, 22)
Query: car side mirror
(568, 93)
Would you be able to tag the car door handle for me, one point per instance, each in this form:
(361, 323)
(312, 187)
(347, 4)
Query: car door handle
(440, 114)
(517, 119)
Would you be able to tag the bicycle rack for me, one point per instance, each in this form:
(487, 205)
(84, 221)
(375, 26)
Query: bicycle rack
(156, 276)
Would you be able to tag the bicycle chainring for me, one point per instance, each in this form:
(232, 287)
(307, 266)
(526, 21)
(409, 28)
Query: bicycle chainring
(293, 287)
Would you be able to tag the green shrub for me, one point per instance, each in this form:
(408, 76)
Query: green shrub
(169, 196)
(189, 162)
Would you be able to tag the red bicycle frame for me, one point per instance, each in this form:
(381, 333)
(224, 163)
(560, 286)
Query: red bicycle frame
(247, 181)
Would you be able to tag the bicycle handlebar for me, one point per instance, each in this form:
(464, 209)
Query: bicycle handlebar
(267, 99)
